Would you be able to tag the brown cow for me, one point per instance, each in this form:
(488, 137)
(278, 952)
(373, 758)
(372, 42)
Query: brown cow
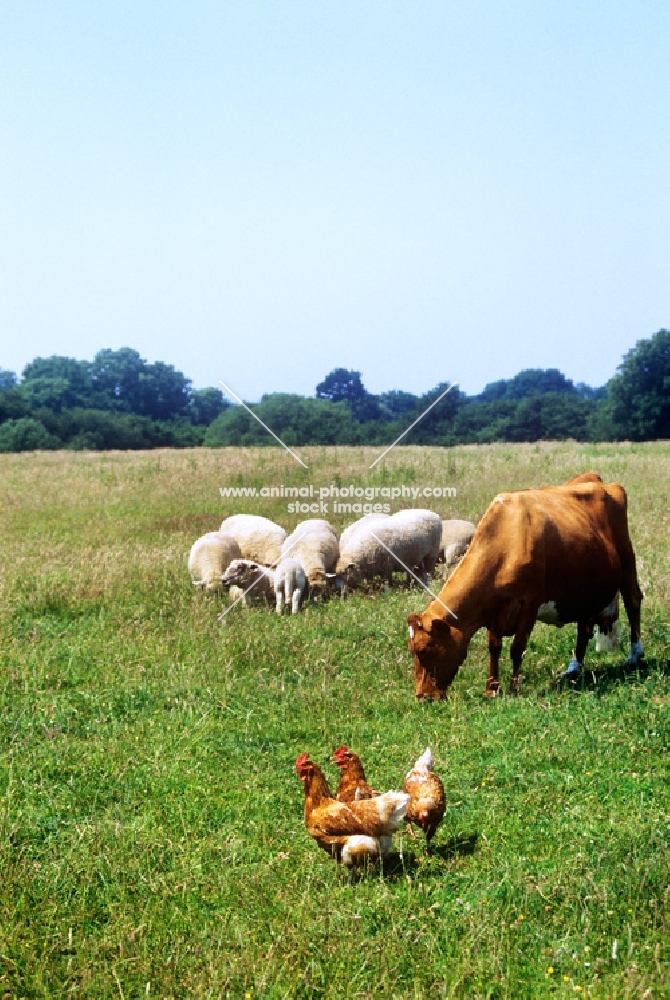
(562, 549)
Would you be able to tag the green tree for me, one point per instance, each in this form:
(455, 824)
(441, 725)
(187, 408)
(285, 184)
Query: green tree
(341, 385)
(128, 383)
(437, 426)
(639, 394)
(8, 380)
(165, 392)
(233, 428)
(297, 420)
(57, 383)
(553, 416)
(345, 386)
(396, 403)
(529, 382)
(117, 376)
(206, 405)
(12, 404)
(26, 434)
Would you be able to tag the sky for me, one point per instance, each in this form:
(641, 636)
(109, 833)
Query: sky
(260, 192)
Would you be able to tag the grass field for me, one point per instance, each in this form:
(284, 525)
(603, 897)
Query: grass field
(151, 832)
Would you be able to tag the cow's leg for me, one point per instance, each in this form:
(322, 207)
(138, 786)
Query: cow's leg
(632, 600)
(584, 633)
(516, 652)
(495, 648)
(517, 649)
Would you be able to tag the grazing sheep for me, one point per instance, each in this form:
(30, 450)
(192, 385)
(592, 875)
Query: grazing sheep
(289, 583)
(241, 574)
(314, 544)
(456, 536)
(361, 523)
(209, 557)
(259, 538)
(412, 536)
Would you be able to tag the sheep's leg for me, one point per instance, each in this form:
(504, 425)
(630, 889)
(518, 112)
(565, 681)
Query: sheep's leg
(295, 601)
(495, 648)
(279, 607)
(429, 568)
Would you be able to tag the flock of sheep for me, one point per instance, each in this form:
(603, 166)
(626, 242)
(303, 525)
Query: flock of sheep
(255, 558)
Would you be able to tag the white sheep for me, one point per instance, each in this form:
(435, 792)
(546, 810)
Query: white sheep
(408, 539)
(209, 557)
(456, 537)
(289, 583)
(314, 544)
(361, 523)
(259, 538)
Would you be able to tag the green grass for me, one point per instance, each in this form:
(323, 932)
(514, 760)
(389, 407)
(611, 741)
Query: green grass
(151, 832)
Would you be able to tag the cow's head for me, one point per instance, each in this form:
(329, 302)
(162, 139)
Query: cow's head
(439, 649)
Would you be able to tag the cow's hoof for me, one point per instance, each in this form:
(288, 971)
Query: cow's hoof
(636, 655)
(573, 672)
(514, 686)
(492, 690)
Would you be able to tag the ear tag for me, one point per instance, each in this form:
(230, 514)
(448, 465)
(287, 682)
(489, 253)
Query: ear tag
(411, 631)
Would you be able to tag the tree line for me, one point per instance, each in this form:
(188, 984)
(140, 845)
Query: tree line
(119, 400)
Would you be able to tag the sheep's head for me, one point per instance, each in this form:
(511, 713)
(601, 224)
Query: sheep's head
(349, 575)
(318, 585)
(240, 573)
(335, 584)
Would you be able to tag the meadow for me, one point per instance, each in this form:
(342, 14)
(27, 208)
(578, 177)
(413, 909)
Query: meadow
(151, 834)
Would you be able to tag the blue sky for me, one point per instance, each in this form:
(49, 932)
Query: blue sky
(260, 192)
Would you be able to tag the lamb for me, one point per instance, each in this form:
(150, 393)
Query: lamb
(456, 537)
(286, 583)
(409, 538)
(259, 538)
(314, 544)
(240, 576)
(209, 557)
(289, 583)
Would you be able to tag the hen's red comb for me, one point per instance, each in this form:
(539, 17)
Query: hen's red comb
(341, 750)
(302, 759)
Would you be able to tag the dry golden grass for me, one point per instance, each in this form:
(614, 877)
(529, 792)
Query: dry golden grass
(92, 519)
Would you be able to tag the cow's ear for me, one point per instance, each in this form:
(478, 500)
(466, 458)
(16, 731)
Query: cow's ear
(415, 624)
(440, 628)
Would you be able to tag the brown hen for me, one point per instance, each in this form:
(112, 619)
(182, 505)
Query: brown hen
(351, 832)
(352, 786)
(426, 796)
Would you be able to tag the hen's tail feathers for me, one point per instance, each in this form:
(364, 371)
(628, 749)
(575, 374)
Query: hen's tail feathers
(425, 761)
(392, 807)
